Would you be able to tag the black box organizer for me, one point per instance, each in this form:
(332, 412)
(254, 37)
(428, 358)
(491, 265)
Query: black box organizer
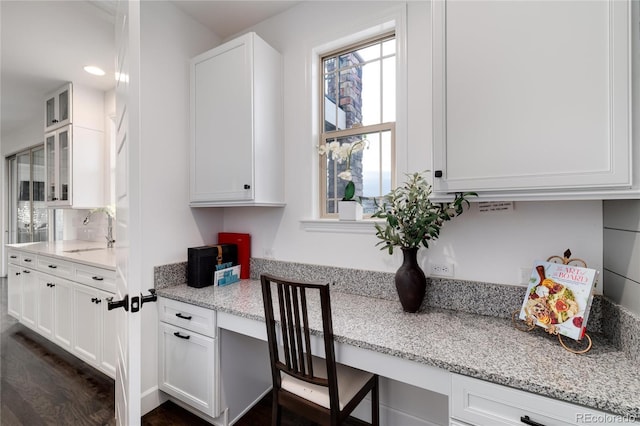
(202, 261)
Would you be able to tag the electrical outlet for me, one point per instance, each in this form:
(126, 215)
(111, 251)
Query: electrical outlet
(442, 269)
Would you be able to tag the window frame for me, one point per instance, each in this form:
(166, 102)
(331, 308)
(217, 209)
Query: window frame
(324, 135)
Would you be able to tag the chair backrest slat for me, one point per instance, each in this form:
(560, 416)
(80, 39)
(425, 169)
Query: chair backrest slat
(295, 327)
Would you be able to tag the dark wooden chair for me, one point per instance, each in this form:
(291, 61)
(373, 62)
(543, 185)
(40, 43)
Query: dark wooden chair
(317, 388)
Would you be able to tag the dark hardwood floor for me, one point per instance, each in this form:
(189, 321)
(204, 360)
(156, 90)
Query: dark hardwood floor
(42, 384)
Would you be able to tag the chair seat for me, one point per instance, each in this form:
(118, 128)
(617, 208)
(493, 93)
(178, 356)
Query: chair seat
(350, 381)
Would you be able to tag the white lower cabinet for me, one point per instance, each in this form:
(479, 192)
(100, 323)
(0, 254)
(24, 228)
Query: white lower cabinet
(188, 360)
(54, 301)
(86, 325)
(481, 403)
(14, 291)
(45, 289)
(63, 314)
(29, 297)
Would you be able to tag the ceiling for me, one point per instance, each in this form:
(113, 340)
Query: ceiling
(47, 43)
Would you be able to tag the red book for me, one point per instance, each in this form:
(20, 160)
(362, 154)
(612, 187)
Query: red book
(243, 241)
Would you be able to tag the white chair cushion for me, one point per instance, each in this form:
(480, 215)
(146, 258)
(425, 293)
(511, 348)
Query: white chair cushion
(350, 381)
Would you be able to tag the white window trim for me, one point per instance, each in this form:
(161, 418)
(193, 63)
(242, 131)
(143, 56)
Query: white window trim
(393, 19)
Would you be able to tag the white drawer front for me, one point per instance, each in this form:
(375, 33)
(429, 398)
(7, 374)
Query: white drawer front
(482, 403)
(188, 370)
(103, 279)
(53, 266)
(13, 256)
(190, 317)
(28, 260)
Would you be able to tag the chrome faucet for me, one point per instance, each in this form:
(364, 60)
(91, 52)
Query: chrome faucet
(110, 215)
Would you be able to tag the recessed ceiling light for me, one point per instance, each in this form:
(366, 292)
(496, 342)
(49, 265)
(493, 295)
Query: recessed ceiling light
(94, 70)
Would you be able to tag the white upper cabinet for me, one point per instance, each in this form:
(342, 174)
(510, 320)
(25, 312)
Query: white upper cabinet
(74, 152)
(58, 108)
(532, 97)
(236, 125)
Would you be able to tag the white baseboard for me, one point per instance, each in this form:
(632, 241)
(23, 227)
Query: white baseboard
(151, 399)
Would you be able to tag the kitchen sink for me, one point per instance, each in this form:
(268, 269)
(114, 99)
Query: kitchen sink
(83, 250)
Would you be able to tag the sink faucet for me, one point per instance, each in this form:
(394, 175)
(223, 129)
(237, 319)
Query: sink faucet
(110, 215)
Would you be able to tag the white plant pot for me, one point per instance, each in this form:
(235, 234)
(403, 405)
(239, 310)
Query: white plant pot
(349, 210)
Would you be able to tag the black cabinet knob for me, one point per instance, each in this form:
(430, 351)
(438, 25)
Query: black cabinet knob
(247, 186)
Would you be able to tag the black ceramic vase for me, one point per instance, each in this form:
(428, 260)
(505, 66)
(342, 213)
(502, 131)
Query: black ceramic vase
(411, 282)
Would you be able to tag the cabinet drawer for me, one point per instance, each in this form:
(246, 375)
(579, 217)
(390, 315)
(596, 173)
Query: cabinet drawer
(103, 279)
(189, 368)
(482, 403)
(190, 317)
(53, 266)
(28, 260)
(13, 257)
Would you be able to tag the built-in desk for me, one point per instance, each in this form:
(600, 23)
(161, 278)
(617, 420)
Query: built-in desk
(431, 349)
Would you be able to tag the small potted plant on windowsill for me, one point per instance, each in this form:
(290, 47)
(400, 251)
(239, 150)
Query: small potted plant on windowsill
(348, 208)
(412, 221)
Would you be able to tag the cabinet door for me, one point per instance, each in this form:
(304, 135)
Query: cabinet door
(14, 291)
(57, 108)
(86, 324)
(45, 293)
(531, 96)
(187, 363)
(63, 313)
(108, 333)
(222, 154)
(29, 297)
(51, 167)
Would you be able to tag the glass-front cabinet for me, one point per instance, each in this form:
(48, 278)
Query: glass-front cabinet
(57, 110)
(58, 166)
(28, 215)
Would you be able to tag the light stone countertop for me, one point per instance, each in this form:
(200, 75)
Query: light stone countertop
(103, 257)
(484, 347)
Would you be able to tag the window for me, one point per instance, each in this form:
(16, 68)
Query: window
(359, 103)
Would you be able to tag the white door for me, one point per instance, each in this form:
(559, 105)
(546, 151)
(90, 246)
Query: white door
(127, 244)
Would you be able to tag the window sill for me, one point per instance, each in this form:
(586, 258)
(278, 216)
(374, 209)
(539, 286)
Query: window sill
(365, 226)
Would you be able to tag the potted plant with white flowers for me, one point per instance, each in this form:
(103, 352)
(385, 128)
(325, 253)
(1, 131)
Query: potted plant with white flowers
(412, 221)
(348, 208)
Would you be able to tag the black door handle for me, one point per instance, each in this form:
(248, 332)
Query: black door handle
(177, 334)
(526, 420)
(124, 303)
(179, 315)
(148, 298)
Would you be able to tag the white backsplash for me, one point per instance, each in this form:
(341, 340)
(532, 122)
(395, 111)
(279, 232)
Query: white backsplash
(75, 229)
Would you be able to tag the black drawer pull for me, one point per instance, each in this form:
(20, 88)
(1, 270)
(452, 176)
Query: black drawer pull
(177, 334)
(179, 315)
(51, 285)
(17, 273)
(27, 260)
(13, 257)
(26, 272)
(52, 266)
(526, 420)
(97, 278)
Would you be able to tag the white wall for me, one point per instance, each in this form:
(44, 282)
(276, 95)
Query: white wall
(168, 40)
(482, 247)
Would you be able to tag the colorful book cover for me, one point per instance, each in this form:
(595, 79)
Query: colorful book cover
(227, 275)
(559, 297)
